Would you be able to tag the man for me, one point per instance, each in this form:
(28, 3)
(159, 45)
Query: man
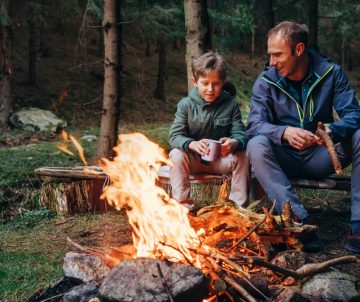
(298, 89)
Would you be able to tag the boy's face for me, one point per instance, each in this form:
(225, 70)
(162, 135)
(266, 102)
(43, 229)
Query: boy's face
(209, 85)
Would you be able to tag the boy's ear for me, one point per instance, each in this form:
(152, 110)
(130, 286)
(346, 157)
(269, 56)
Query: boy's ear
(193, 80)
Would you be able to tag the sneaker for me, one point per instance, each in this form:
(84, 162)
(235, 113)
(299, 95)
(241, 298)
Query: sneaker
(353, 243)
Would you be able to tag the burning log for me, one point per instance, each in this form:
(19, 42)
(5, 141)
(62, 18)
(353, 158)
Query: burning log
(330, 147)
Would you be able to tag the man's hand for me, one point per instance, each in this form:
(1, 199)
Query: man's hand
(318, 139)
(200, 147)
(299, 138)
(227, 146)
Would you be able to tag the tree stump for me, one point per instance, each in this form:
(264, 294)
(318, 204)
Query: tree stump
(69, 191)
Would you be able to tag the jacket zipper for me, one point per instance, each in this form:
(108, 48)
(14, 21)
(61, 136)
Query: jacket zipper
(301, 111)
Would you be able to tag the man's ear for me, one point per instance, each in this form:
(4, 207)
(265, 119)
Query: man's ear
(299, 49)
(194, 82)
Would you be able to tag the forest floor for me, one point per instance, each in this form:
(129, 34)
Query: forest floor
(70, 82)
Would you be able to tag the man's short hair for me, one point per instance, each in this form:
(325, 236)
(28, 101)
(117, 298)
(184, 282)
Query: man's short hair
(293, 32)
(206, 62)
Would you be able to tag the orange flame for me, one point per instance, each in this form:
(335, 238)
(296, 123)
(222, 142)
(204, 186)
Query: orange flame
(64, 148)
(79, 148)
(159, 224)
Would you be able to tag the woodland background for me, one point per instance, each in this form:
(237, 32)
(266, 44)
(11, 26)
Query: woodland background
(52, 57)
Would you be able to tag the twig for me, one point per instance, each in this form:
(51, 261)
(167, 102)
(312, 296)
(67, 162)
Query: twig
(111, 260)
(262, 221)
(239, 288)
(330, 147)
(164, 283)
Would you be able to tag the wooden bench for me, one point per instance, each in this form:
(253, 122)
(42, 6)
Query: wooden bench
(72, 190)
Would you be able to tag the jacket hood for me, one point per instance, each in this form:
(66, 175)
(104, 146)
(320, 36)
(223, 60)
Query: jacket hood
(195, 96)
(321, 63)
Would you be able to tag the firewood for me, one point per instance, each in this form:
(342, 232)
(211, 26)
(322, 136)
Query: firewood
(287, 215)
(330, 147)
(239, 288)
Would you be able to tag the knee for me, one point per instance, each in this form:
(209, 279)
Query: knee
(178, 156)
(257, 147)
(240, 157)
(356, 138)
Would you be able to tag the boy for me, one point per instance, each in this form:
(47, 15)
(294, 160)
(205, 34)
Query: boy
(209, 112)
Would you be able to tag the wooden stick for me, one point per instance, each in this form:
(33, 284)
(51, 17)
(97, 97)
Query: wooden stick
(111, 261)
(313, 268)
(330, 147)
(252, 229)
(239, 288)
(162, 278)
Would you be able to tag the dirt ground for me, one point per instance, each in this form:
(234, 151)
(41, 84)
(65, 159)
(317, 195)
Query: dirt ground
(332, 222)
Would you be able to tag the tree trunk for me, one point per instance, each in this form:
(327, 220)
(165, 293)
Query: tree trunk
(159, 92)
(196, 16)
(265, 20)
(5, 76)
(32, 79)
(112, 66)
(313, 24)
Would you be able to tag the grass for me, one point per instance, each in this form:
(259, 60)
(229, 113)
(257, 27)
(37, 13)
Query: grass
(32, 249)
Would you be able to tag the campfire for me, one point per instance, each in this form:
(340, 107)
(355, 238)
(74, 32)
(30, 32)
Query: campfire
(232, 248)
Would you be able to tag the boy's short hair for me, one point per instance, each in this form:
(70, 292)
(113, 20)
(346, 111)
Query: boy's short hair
(206, 62)
(293, 32)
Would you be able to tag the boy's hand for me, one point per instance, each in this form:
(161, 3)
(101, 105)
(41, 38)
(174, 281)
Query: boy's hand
(228, 145)
(299, 138)
(200, 147)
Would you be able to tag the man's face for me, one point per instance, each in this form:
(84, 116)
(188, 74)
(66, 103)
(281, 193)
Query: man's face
(282, 57)
(209, 85)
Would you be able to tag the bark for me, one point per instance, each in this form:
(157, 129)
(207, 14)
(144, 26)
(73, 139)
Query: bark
(313, 24)
(264, 17)
(159, 92)
(5, 75)
(197, 32)
(32, 78)
(112, 67)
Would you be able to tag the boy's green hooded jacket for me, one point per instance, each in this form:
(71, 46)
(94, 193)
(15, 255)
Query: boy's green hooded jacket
(196, 119)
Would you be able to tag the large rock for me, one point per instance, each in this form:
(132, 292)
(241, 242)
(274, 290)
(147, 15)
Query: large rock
(35, 119)
(84, 267)
(333, 285)
(81, 293)
(139, 280)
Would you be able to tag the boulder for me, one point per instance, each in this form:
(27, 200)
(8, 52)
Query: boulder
(332, 285)
(84, 267)
(35, 119)
(139, 279)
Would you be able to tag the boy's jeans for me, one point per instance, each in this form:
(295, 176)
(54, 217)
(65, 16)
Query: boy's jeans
(186, 163)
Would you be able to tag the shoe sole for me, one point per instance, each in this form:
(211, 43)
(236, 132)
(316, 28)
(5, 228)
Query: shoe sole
(352, 249)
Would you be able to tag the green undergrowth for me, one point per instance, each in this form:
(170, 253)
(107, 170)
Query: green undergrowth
(32, 248)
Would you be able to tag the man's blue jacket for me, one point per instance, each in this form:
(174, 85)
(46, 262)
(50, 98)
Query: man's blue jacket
(275, 105)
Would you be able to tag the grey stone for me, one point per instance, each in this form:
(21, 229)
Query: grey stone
(333, 285)
(89, 138)
(84, 267)
(292, 259)
(81, 293)
(288, 294)
(35, 119)
(139, 280)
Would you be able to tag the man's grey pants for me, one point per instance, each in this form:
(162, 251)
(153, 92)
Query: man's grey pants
(273, 165)
(186, 163)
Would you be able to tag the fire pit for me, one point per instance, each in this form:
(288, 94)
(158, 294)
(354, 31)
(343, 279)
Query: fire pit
(229, 247)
